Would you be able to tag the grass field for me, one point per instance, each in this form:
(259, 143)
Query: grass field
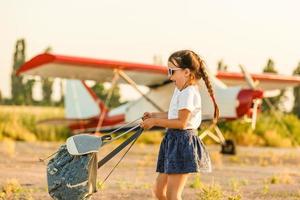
(261, 173)
(258, 172)
(20, 123)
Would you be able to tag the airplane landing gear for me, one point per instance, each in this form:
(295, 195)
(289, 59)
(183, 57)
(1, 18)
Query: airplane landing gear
(229, 147)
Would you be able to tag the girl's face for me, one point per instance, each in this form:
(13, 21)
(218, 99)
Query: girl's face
(179, 76)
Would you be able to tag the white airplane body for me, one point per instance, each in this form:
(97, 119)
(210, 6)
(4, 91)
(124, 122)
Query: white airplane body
(84, 110)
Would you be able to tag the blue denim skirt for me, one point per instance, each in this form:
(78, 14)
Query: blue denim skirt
(182, 151)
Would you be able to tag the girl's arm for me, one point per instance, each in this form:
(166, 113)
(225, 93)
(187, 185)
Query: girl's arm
(161, 115)
(180, 123)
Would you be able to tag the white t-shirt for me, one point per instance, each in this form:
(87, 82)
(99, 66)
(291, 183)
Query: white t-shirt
(189, 98)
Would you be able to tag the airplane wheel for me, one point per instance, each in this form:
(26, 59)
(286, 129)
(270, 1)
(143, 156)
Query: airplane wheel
(228, 147)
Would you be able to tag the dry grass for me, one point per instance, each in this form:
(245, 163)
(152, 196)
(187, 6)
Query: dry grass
(273, 139)
(235, 184)
(214, 191)
(211, 192)
(282, 178)
(20, 123)
(8, 147)
(265, 189)
(236, 181)
(12, 189)
(216, 158)
(151, 137)
(265, 159)
(196, 183)
(249, 139)
(235, 197)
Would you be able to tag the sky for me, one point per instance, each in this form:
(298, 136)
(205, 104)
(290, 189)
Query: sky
(236, 31)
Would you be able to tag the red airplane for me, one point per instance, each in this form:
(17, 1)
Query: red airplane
(236, 93)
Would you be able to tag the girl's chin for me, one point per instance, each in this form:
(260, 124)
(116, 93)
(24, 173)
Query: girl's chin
(178, 87)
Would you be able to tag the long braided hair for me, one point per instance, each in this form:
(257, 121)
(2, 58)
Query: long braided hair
(189, 59)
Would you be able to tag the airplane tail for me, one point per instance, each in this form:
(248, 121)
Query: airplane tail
(81, 102)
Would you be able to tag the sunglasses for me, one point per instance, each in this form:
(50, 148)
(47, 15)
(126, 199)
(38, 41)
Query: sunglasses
(171, 70)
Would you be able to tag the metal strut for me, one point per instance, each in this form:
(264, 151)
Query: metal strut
(133, 84)
(107, 100)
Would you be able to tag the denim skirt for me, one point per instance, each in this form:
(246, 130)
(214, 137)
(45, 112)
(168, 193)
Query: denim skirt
(182, 151)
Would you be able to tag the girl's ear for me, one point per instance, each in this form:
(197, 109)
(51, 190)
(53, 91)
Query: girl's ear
(187, 72)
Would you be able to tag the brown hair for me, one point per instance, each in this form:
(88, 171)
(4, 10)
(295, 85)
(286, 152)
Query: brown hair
(190, 60)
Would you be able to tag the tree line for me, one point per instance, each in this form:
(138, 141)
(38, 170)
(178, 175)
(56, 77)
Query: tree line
(22, 87)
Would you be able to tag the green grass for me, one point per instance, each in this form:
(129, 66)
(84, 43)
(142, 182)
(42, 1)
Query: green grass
(20, 123)
(269, 131)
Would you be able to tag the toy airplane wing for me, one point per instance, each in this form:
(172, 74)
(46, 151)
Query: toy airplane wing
(266, 81)
(69, 67)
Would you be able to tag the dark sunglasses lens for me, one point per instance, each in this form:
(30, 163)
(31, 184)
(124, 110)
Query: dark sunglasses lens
(170, 72)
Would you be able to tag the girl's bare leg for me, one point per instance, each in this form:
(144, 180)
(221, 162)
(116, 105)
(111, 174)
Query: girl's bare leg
(160, 186)
(175, 185)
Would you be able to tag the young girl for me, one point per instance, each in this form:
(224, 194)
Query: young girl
(181, 151)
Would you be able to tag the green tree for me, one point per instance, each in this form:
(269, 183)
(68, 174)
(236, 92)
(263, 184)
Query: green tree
(27, 87)
(48, 49)
(47, 84)
(47, 91)
(102, 93)
(115, 98)
(222, 66)
(21, 91)
(275, 101)
(296, 108)
(1, 98)
(62, 96)
(270, 67)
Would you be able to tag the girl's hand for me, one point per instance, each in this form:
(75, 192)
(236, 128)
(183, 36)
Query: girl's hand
(148, 123)
(146, 115)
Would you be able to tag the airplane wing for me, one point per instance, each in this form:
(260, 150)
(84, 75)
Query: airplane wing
(69, 67)
(63, 121)
(266, 81)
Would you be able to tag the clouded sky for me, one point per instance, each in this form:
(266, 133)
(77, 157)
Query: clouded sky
(237, 31)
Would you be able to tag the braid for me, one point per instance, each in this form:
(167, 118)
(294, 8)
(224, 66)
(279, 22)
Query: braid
(202, 73)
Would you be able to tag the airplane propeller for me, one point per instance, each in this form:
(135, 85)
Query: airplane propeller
(253, 85)
(256, 102)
